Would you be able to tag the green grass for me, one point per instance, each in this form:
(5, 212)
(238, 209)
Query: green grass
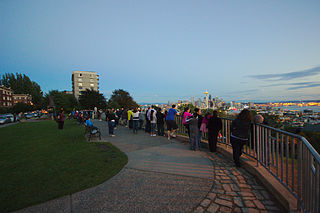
(38, 163)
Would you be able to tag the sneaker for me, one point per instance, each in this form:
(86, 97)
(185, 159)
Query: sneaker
(154, 135)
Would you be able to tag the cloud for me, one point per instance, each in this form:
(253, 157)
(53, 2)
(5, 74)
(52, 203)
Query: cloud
(305, 86)
(243, 92)
(288, 76)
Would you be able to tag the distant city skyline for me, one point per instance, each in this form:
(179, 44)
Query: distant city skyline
(162, 51)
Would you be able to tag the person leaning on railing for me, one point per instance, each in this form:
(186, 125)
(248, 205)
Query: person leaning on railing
(240, 130)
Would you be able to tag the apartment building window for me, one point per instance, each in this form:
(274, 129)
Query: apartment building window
(80, 84)
(79, 79)
(91, 85)
(80, 74)
(91, 80)
(80, 88)
(92, 88)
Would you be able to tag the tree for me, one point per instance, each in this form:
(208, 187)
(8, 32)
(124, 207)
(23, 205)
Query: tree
(122, 99)
(21, 84)
(90, 99)
(61, 100)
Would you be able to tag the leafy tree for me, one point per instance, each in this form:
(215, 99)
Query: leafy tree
(90, 99)
(61, 100)
(21, 84)
(22, 107)
(122, 99)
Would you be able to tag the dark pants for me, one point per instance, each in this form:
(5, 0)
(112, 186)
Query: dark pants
(148, 126)
(130, 123)
(140, 124)
(212, 140)
(111, 127)
(160, 129)
(135, 126)
(237, 146)
(60, 124)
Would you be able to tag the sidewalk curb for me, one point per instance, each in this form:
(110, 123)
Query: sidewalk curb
(282, 194)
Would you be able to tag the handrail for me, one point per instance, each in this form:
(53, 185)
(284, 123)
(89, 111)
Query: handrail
(290, 158)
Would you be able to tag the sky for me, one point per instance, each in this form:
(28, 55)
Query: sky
(162, 51)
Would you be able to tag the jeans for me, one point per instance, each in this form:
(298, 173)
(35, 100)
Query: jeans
(135, 126)
(111, 127)
(141, 124)
(153, 127)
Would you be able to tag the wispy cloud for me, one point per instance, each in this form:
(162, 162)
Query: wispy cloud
(243, 92)
(305, 86)
(288, 76)
(291, 84)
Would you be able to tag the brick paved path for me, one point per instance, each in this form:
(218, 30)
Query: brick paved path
(235, 190)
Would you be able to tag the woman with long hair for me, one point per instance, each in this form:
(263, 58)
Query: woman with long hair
(214, 126)
(240, 130)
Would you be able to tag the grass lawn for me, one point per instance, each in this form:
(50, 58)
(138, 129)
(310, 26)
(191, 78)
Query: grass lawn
(38, 163)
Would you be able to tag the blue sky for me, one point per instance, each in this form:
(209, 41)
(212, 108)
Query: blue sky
(168, 50)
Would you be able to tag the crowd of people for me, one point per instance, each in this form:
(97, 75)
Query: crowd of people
(154, 120)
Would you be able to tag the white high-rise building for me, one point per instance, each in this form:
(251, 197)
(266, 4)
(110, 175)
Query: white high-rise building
(83, 80)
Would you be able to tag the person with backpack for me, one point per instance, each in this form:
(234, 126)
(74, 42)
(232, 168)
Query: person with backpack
(214, 126)
(193, 130)
(111, 119)
(135, 119)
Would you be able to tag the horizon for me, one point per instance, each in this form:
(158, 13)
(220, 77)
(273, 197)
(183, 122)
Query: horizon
(168, 51)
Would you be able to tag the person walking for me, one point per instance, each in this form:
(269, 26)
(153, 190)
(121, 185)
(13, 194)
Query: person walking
(171, 123)
(214, 127)
(135, 119)
(160, 122)
(111, 118)
(240, 129)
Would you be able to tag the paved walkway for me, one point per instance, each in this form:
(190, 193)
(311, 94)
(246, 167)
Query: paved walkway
(167, 177)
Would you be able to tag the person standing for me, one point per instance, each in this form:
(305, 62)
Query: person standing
(148, 125)
(142, 117)
(60, 119)
(240, 129)
(124, 117)
(111, 118)
(153, 122)
(130, 113)
(194, 131)
(214, 126)
(171, 123)
(135, 119)
(160, 122)
(199, 117)
(186, 115)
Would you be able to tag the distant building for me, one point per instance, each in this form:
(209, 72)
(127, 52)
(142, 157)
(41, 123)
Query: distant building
(22, 98)
(6, 99)
(83, 80)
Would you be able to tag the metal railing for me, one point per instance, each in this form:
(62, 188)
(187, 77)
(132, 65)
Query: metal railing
(290, 158)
